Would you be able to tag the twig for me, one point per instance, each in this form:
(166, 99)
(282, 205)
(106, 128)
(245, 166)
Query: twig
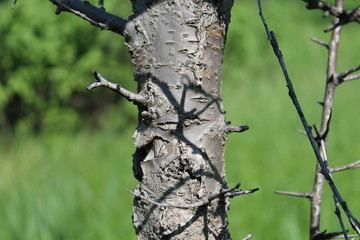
(322, 43)
(130, 96)
(101, 4)
(352, 77)
(345, 16)
(338, 214)
(352, 165)
(232, 129)
(96, 16)
(342, 76)
(342, 236)
(248, 236)
(230, 193)
(295, 194)
(323, 165)
(323, 235)
(14, 3)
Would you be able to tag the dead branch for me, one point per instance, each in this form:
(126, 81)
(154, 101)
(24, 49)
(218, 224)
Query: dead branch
(343, 76)
(352, 77)
(352, 165)
(248, 236)
(137, 99)
(322, 43)
(342, 236)
(228, 193)
(295, 194)
(338, 214)
(96, 16)
(323, 164)
(232, 129)
(344, 16)
(323, 235)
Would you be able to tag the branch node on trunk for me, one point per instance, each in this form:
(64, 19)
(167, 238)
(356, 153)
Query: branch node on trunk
(232, 129)
(137, 99)
(96, 16)
(227, 193)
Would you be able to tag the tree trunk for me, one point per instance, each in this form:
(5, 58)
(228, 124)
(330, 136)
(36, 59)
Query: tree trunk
(177, 49)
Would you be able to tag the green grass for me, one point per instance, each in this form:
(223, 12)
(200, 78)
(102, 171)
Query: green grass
(67, 187)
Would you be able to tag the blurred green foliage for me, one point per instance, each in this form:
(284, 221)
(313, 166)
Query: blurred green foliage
(68, 182)
(46, 63)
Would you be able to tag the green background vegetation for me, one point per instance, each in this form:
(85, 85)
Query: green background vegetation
(65, 153)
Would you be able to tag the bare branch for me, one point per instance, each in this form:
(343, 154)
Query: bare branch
(322, 43)
(248, 236)
(232, 129)
(323, 165)
(130, 96)
(342, 76)
(295, 194)
(101, 4)
(14, 3)
(230, 193)
(345, 16)
(323, 235)
(352, 165)
(338, 214)
(352, 77)
(342, 236)
(96, 16)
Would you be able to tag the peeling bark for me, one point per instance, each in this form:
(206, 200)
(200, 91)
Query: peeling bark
(177, 49)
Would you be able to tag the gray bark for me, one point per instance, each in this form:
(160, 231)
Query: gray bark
(177, 49)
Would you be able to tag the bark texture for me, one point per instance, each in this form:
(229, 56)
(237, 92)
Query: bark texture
(177, 49)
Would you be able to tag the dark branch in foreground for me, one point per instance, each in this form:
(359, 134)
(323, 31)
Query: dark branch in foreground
(130, 96)
(323, 166)
(96, 16)
(323, 235)
(229, 193)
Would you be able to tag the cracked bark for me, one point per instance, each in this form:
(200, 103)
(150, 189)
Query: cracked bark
(177, 48)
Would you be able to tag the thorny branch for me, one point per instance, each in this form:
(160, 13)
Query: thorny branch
(228, 193)
(130, 96)
(344, 76)
(295, 194)
(96, 16)
(324, 170)
(352, 165)
(344, 16)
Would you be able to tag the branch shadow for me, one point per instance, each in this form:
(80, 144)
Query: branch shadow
(179, 105)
